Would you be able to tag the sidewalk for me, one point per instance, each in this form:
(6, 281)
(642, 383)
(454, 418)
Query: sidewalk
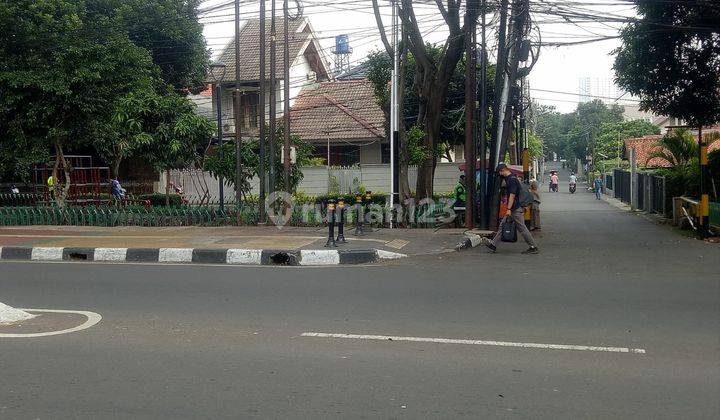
(405, 241)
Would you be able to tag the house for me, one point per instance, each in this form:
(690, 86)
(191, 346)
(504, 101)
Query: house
(632, 112)
(343, 122)
(308, 66)
(645, 145)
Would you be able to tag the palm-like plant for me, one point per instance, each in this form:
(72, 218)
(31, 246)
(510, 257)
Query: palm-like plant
(678, 148)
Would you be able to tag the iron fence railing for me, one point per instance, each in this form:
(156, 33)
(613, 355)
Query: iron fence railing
(609, 181)
(426, 215)
(622, 185)
(650, 194)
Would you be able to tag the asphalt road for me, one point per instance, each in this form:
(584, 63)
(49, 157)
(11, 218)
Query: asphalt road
(225, 342)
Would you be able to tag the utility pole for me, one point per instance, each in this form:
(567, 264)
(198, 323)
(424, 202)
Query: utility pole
(523, 141)
(286, 97)
(704, 227)
(483, 118)
(218, 105)
(261, 106)
(238, 113)
(492, 183)
(470, 98)
(273, 96)
(393, 107)
(519, 16)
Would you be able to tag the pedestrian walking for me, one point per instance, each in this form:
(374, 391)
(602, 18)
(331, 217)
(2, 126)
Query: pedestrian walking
(554, 181)
(535, 208)
(598, 186)
(515, 211)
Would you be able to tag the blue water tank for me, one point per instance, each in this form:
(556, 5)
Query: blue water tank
(342, 44)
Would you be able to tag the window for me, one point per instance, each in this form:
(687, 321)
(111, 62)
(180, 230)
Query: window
(249, 110)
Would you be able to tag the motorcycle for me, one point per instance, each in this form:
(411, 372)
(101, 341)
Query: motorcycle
(573, 187)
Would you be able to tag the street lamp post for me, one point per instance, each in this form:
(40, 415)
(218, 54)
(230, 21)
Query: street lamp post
(217, 73)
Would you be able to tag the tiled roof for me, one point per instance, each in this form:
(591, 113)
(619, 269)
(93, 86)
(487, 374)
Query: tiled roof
(645, 145)
(338, 110)
(300, 35)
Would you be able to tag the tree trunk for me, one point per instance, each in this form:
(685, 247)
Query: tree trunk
(167, 187)
(116, 168)
(60, 193)
(433, 119)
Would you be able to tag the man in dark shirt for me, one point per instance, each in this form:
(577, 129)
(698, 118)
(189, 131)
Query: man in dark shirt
(514, 211)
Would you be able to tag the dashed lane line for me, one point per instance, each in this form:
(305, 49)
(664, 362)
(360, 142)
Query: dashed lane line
(475, 342)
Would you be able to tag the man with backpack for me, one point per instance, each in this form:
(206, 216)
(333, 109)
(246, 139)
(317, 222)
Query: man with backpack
(518, 196)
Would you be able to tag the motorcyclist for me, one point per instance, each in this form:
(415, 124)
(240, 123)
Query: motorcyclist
(573, 182)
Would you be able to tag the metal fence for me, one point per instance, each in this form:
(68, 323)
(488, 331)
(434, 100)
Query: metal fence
(622, 185)
(650, 194)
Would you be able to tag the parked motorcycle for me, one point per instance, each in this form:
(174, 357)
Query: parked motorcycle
(573, 187)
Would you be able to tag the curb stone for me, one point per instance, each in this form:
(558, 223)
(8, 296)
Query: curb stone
(232, 256)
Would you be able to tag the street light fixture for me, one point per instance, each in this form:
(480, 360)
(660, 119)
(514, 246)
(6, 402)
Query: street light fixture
(217, 74)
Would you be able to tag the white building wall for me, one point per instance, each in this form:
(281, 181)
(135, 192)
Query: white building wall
(374, 177)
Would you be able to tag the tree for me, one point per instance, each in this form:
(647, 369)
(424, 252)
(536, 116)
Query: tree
(611, 138)
(670, 57)
(170, 31)
(130, 128)
(179, 137)
(433, 74)
(547, 123)
(677, 148)
(575, 134)
(62, 67)
(225, 166)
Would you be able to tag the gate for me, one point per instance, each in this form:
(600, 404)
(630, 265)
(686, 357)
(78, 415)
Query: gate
(622, 185)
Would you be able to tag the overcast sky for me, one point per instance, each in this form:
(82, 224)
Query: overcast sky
(558, 69)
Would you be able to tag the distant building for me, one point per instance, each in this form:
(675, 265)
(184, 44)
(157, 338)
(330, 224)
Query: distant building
(591, 88)
(632, 112)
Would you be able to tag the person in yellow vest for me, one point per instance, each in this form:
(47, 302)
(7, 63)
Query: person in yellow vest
(51, 186)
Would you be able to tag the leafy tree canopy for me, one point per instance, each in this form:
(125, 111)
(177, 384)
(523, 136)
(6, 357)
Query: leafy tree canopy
(575, 134)
(250, 162)
(171, 32)
(452, 129)
(670, 57)
(62, 66)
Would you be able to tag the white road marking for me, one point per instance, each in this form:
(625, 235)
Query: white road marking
(244, 256)
(319, 257)
(177, 255)
(47, 254)
(9, 315)
(92, 319)
(475, 342)
(110, 254)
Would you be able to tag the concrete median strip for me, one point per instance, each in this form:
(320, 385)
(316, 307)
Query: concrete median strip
(232, 256)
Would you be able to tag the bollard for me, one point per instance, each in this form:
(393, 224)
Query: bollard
(360, 215)
(341, 223)
(331, 224)
(368, 200)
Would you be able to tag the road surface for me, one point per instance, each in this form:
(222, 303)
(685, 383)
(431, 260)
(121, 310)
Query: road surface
(227, 342)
